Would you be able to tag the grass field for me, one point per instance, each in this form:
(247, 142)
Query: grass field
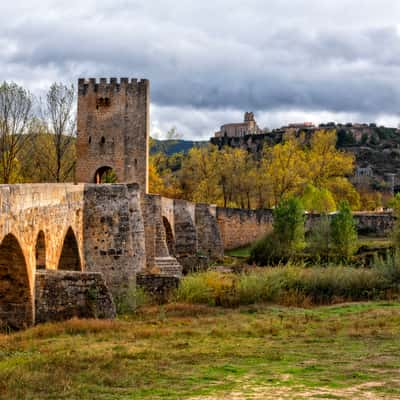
(193, 352)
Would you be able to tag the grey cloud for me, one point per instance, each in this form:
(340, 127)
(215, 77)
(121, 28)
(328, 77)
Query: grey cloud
(340, 57)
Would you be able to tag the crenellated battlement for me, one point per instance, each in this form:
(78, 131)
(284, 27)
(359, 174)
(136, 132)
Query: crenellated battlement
(110, 84)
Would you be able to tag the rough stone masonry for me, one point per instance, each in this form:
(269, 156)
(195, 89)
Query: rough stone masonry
(70, 249)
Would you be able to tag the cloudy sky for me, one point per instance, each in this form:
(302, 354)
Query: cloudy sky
(211, 60)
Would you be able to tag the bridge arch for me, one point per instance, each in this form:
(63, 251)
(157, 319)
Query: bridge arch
(16, 310)
(105, 174)
(70, 259)
(40, 251)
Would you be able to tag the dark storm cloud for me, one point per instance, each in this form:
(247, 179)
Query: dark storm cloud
(298, 55)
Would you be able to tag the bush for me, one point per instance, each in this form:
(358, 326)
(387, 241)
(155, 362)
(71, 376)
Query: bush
(389, 268)
(289, 285)
(268, 251)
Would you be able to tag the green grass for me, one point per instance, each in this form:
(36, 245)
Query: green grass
(241, 252)
(182, 351)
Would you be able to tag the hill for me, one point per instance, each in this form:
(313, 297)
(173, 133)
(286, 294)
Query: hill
(172, 146)
(376, 149)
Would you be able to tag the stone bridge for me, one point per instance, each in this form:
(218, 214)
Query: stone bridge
(59, 229)
(60, 243)
(70, 249)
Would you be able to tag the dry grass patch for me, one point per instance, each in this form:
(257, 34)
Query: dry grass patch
(182, 351)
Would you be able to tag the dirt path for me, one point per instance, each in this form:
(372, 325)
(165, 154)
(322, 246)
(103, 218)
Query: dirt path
(250, 392)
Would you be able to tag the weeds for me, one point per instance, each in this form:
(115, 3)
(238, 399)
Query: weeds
(290, 285)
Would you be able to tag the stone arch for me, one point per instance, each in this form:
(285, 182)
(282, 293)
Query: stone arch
(70, 259)
(40, 251)
(169, 236)
(16, 309)
(105, 174)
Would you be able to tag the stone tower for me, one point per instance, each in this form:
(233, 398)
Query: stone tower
(113, 131)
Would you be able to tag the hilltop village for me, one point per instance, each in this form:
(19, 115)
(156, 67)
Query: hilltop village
(376, 148)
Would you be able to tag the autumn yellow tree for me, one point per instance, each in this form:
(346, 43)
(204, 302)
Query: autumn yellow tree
(199, 175)
(318, 200)
(283, 168)
(235, 168)
(324, 161)
(342, 189)
(243, 178)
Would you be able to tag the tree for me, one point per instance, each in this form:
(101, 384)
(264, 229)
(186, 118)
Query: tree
(342, 189)
(16, 123)
(283, 168)
(324, 161)
(370, 200)
(199, 175)
(343, 232)
(318, 200)
(289, 225)
(236, 177)
(60, 119)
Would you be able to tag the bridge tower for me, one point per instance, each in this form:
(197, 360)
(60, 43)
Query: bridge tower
(113, 131)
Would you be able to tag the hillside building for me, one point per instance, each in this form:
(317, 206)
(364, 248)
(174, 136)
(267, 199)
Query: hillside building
(247, 127)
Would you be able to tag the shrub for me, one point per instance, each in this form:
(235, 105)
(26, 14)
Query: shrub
(343, 232)
(389, 268)
(268, 251)
(289, 285)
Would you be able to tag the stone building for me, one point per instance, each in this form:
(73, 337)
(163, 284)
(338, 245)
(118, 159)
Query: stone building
(113, 126)
(247, 127)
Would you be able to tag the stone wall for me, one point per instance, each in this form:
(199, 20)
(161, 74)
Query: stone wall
(158, 286)
(376, 224)
(240, 227)
(209, 240)
(61, 295)
(156, 244)
(114, 233)
(379, 224)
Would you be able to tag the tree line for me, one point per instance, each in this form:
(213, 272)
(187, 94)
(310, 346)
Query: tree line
(37, 136)
(37, 144)
(313, 170)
